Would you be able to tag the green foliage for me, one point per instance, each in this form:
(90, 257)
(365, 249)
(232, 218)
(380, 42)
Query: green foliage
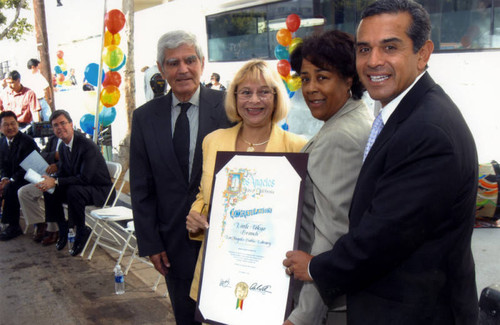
(16, 27)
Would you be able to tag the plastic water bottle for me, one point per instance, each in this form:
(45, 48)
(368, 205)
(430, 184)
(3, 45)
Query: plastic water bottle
(119, 280)
(71, 238)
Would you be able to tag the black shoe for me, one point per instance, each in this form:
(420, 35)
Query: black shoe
(80, 241)
(61, 242)
(10, 232)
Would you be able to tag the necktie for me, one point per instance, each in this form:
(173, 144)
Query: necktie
(377, 126)
(181, 139)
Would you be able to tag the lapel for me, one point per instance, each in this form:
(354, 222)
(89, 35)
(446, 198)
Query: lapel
(403, 111)
(207, 123)
(161, 130)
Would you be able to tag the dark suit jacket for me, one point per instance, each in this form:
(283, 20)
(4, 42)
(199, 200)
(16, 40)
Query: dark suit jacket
(10, 159)
(161, 198)
(407, 256)
(85, 166)
(49, 151)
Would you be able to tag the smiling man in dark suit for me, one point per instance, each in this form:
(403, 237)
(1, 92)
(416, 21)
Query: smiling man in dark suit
(165, 165)
(407, 256)
(82, 179)
(14, 147)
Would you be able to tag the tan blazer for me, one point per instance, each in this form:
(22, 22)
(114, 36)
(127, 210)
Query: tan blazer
(225, 140)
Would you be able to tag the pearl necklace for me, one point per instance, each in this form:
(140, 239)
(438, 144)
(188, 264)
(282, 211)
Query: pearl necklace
(251, 145)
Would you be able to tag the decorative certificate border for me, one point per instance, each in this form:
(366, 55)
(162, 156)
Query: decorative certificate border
(255, 213)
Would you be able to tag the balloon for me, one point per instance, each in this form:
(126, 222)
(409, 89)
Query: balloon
(60, 54)
(111, 39)
(60, 61)
(91, 74)
(293, 22)
(290, 94)
(112, 78)
(281, 53)
(121, 64)
(107, 116)
(90, 100)
(112, 56)
(110, 96)
(114, 20)
(57, 69)
(293, 45)
(60, 78)
(65, 73)
(294, 83)
(284, 67)
(284, 37)
(63, 66)
(87, 123)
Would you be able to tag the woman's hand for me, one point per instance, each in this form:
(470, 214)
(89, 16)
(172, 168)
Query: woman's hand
(196, 222)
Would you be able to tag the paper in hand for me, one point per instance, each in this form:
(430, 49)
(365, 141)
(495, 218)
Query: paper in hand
(34, 178)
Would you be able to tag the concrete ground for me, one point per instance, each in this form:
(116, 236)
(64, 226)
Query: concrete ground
(39, 285)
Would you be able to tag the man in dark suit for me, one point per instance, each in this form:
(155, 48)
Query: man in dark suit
(82, 179)
(14, 147)
(165, 172)
(407, 256)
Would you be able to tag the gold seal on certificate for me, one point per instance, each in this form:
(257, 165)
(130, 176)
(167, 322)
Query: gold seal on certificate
(254, 221)
(241, 292)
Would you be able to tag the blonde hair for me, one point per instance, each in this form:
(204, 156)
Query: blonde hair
(254, 70)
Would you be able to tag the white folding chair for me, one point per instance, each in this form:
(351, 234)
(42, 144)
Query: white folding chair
(108, 220)
(114, 169)
(130, 228)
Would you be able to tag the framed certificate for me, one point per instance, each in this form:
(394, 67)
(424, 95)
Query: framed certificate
(255, 213)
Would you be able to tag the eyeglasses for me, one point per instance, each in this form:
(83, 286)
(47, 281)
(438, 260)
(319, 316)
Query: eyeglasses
(62, 124)
(263, 94)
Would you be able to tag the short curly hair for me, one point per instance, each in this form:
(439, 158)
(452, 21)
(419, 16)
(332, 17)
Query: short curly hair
(254, 70)
(332, 50)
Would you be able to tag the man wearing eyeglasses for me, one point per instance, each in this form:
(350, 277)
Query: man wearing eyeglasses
(165, 164)
(82, 179)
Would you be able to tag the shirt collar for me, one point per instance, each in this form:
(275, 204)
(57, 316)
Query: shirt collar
(393, 104)
(194, 100)
(70, 144)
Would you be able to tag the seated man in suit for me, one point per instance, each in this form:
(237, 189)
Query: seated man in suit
(407, 257)
(13, 149)
(82, 179)
(31, 198)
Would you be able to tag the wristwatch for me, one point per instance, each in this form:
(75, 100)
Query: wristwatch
(57, 182)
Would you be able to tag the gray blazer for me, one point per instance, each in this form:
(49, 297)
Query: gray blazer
(335, 158)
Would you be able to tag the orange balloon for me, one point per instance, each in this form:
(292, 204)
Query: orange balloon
(111, 39)
(110, 96)
(284, 37)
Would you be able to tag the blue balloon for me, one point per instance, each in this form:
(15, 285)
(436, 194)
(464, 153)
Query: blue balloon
(284, 126)
(92, 74)
(107, 115)
(58, 69)
(87, 123)
(65, 73)
(281, 53)
(121, 64)
(291, 93)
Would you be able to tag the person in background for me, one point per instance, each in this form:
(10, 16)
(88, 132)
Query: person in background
(406, 258)
(82, 179)
(40, 86)
(332, 90)
(21, 100)
(31, 198)
(257, 100)
(214, 82)
(72, 77)
(165, 164)
(14, 147)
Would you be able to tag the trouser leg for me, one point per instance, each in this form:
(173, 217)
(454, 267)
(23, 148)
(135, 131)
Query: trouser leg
(78, 197)
(183, 306)
(31, 202)
(11, 208)
(54, 211)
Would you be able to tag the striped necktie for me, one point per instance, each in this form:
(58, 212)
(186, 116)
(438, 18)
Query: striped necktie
(377, 126)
